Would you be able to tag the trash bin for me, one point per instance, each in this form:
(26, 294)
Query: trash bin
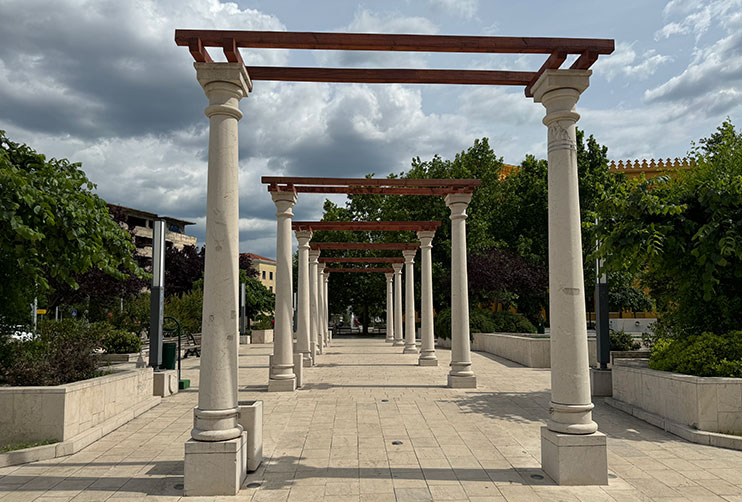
(169, 350)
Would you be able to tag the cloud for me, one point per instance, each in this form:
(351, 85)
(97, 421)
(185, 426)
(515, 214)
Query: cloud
(465, 9)
(625, 62)
(699, 16)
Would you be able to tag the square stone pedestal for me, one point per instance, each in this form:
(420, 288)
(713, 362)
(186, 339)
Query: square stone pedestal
(298, 368)
(572, 459)
(601, 382)
(215, 468)
(458, 382)
(165, 383)
(429, 362)
(251, 420)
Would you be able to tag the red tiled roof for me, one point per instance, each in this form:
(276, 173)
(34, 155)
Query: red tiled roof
(254, 256)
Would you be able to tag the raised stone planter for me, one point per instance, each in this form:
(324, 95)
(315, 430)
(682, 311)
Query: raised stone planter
(262, 336)
(710, 404)
(119, 358)
(76, 414)
(444, 343)
(532, 351)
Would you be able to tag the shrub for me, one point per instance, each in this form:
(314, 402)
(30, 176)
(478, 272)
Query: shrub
(706, 354)
(187, 308)
(620, 340)
(485, 321)
(62, 352)
(117, 341)
(263, 322)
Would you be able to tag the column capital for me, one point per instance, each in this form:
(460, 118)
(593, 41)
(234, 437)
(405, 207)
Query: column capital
(389, 276)
(551, 80)
(397, 268)
(313, 255)
(284, 201)
(457, 203)
(426, 238)
(303, 236)
(409, 256)
(224, 84)
(321, 268)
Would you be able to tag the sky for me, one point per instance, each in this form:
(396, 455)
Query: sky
(102, 83)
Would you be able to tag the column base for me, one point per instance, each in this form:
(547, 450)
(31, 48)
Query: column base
(462, 382)
(572, 459)
(215, 468)
(427, 362)
(410, 349)
(389, 340)
(398, 343)
(601, 382)
(284, 385)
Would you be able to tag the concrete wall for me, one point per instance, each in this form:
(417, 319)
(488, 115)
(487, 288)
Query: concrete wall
(706, 403)
(523, 349)
(63, 412)
(262, 336)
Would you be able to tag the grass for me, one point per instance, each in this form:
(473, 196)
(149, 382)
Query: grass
(21, 446)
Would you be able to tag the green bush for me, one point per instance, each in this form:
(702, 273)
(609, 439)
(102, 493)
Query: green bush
(263, 322)
(187, 308)
(485, 321)
(62, 352)
(118, 341)
(620, 340)
(706, 354)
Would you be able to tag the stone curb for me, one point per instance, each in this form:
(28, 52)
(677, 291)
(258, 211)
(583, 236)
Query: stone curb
(688, 433)
(77, 443)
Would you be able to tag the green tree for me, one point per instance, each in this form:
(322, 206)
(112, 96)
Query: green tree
(683, 235)
(52, 228)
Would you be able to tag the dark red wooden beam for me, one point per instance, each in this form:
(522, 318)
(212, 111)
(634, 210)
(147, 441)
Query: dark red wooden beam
(553, 62)
(585, 60)
(406, 182)
(364, 259)
(231, 51)
(396, 42)
(376, 190)
(382, 270)
(366, 226)
(390, 75)
(198, 51)
(376, 246)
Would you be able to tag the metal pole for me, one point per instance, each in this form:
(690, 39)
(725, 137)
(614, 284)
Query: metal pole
(35, 315)
(602, 333)
(243, 320)
(158, 294)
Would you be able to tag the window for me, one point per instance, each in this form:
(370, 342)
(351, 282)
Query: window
(271, 288)
(263, 274)
(271, 276)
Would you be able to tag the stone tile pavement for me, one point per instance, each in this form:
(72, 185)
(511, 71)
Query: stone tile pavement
(371, 425)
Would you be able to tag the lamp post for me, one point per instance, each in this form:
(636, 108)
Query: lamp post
(602, 331)
(157, 298)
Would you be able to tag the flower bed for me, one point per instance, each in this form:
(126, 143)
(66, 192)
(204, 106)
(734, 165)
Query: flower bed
(533, 351)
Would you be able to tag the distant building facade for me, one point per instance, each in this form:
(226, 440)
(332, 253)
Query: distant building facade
(266, 269)
(140, 224)
(649, 169)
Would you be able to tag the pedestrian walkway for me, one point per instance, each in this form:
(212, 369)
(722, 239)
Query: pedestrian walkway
(369, 424)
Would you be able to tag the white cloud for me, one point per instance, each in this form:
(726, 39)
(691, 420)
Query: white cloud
(699, 16)
(625, 62)
(466, 9)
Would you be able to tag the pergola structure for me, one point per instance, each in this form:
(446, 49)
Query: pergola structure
(461, 372)
(573, 451)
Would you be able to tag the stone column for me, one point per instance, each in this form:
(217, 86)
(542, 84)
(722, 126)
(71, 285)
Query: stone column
(303, 322)
(389, 307)
(321, 333)
(282, 377)
(409, 329)
(398, 341)
(327, 307)
(217, 438)
(427, 349)
(314, 301)
(572, 451)
(461, 374)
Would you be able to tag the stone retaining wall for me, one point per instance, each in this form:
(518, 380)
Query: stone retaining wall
(532, 351)
(707, 403)
(63, 412)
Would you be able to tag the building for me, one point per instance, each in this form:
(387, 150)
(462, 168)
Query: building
(266, 269)
(140, 224)
(635, 168)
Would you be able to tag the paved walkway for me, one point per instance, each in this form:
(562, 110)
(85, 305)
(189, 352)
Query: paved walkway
(335, 440)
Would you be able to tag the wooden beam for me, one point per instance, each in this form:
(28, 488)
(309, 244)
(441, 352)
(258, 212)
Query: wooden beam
(375, 246)
(382, 270)
(364, 259)
(396, 42)
(231, 51)
(553, 62)
(389, 75)
(198, 51)
(406, 182)
(377, 190)
(366, 226)
(585, 60)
